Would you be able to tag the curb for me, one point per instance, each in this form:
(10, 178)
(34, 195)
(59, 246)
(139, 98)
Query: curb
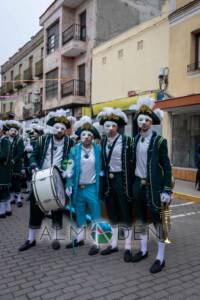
(186, 197)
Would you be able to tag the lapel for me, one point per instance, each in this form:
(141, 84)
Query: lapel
(150, 149)
(47, 140)
(66, 147)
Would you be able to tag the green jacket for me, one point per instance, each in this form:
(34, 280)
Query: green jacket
(5, 163)
(126, 167)
(40, 149)
(17, 153)
(159, 173)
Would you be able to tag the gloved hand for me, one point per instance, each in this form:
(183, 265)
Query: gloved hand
(68, 191)
(34, 169)
(165, 198)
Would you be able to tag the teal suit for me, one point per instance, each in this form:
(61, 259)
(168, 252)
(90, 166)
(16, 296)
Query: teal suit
(87, 194)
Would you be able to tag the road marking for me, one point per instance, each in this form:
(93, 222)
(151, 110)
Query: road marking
(185, 215)
(182, 204)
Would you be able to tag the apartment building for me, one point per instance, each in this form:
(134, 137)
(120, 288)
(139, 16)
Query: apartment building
(72, 28)
(22, 82)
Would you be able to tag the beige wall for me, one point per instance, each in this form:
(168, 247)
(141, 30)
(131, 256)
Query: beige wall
(181, 53)
(137, 69)
(181, 3)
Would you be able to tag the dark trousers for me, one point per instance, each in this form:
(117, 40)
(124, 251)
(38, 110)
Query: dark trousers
(119, 209)
(37, 215)
(16, 183)
(143, 213)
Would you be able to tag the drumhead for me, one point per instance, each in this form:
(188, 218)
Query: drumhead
(59, 187)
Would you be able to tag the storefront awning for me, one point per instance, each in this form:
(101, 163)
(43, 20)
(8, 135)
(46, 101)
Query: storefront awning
(123, 103)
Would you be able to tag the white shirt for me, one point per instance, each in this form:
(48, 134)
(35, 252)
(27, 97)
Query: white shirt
(141, 154)
(116, 157)
(57, 154)
(87, 167)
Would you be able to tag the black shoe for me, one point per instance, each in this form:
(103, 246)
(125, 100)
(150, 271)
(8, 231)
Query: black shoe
(9, 213)
(75, 244)
(127, 256)
(157, 266)
(2, 216)
(93, 250)
(55, 245)
(27, 245)
(19, 204)
(139, 256)
(109, 250)
(12, 202)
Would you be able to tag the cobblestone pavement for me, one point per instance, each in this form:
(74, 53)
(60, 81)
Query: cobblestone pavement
(42, 273)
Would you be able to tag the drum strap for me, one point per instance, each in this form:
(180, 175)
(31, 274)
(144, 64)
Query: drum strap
(52, 144)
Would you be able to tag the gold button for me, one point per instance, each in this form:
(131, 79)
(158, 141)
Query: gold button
(111, 175)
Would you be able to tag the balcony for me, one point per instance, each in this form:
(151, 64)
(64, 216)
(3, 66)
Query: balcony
(73, 93)
(9, 87)
(193, 67)
(28, 77)
(73, 41)
(18, 84)
(39, 68)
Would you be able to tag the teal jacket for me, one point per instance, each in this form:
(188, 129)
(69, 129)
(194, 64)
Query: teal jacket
(17, 154)
(75, 155)
(5, 163)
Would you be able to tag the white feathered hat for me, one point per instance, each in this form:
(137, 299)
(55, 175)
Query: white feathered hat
(85, 123)
(145, 106)
(58, 116)
(112, 114)
(13, 124)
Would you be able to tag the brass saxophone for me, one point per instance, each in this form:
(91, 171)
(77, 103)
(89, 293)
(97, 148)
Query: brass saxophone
(165, 215)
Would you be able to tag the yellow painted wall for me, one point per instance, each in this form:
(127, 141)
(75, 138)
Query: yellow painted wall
(137, 69)
(181, 3)
(181, 82)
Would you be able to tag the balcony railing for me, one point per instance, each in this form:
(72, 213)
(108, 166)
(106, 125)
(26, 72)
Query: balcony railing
(28, 75)
(193, 67)
(18, 83)
(73, 87)
(39, 68)
(74, 32)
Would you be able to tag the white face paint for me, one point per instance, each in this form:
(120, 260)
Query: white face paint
(142, 119)
(13, 132)
(109, 125)
(59, 128)
(85, 135)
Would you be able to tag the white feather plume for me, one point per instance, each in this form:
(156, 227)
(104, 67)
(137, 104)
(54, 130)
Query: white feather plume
(159, 113)
(143, 100)
(14, 123)
(82, 121)
(107, 111)
(1, 124)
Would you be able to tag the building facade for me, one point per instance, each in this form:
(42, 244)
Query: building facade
(131, 64)
(182, 117)
(71, 30)
(22, 82)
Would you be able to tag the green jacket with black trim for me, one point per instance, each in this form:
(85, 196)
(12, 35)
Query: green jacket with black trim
(5, 163)
(159, 171)
(126, 168)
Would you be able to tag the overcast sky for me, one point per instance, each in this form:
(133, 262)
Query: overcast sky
(19, 20)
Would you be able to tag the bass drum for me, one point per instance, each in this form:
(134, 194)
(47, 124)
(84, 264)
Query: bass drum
(48, 189)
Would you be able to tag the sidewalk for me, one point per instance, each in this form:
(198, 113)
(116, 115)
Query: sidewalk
(185, 190)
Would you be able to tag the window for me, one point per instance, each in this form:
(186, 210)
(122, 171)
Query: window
(197, 50)
(120, 53)
(53, 38)
(11, 106)
(140, 45)
(52, 85)
(11, 75)
(20, 69)
(4, 108)
(104, 59)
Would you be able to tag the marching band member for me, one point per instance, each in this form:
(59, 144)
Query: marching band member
(17, 152)
(33, 134)
(83, 179)
(50, 150)
(5, 172)
(117, 179)
(152, 177)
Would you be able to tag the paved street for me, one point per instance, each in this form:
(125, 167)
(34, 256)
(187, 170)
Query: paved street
(42, 273)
